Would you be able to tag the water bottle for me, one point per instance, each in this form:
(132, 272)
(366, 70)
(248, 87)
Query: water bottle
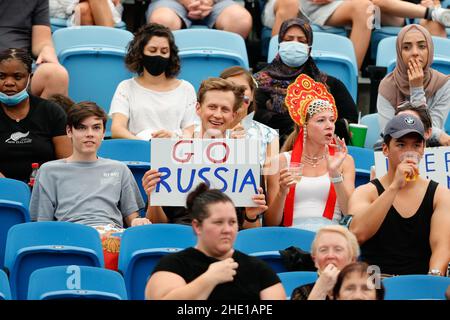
(34, 171)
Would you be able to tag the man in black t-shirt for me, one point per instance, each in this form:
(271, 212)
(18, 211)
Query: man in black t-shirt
(26, 25)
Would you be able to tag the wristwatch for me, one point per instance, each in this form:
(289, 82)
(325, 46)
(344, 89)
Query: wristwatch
(337, 179)
(251, 220)
(434, 272)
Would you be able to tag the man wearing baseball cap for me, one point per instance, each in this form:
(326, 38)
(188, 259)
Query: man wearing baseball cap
(401, 220)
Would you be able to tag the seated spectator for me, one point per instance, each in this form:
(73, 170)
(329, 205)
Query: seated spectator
(218, 102)
(339, 13)
(84, 188)
(155, 104)
(432, 16)
(87, 12)
(64, 101)
(318, 194)
(31, 129)
(415, 81)
(213, 269)
(25, 24)
(406, 229)
(293, 59)
(356, 282)
(220, 14)
(277, 11)
(333, 248)
(268, 137)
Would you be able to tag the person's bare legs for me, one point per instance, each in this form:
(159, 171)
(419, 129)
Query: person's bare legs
(356, 13)
(283, 10)
(435, 28)
(235, 19)
(49, 79)
(167, 17)
(100, 12)
(86, 18)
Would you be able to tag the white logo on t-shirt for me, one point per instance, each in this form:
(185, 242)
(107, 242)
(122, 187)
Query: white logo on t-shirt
(19, 138)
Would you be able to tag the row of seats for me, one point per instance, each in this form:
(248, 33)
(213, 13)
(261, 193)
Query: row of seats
(408, 287)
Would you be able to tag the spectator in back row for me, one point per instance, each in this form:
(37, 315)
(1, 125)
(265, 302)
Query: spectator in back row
(415, 81)
(26, 25)
(317, 193)
(294, 58)
(84, 188)
(213, 269)
(155, 104)
(87, 12)
(31, 129)
(221, 14)
(401, 220)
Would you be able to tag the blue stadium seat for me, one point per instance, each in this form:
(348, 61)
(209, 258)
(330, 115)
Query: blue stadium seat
(58, 23)
(364, 159)
(206, 52)
(134, 153)
(142, 247)
(416, 287)
(293, 279)
(94, 57)
(76, 282)
(334, 55)
(387, 56)
(35, 245)
(266, 242)
(5, 291)
(14, 205)
(373, 130)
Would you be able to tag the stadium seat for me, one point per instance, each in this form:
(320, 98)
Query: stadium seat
(373, 130)
(293, 279)
(334, 55)
(58, 23)
(416, 287)
(364, 159)
(266, 242)
(76, 282)
(206, 52)
(142, 247)
(14, 205)
(35, 245)
(387, 56)
(94, 57)
(5, 291)
(134, 153)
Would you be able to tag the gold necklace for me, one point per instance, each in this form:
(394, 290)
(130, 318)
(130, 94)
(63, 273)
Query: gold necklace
(313, 161)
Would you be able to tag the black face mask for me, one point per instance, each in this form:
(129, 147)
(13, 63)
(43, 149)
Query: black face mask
(155, 65)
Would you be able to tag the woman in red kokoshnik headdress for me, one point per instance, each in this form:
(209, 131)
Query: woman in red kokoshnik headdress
(328, 176)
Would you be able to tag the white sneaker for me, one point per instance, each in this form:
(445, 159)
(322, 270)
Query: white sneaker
(442, 16)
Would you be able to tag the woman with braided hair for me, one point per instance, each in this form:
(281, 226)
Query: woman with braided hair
(318, 195)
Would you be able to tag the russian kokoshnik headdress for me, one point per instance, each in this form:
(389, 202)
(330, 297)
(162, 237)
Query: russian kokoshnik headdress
(305, 98)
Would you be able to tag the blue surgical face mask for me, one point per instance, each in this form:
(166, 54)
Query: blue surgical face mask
(15, 98)
(293, 53)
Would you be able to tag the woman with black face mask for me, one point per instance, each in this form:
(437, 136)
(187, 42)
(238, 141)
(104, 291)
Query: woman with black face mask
(154, 104)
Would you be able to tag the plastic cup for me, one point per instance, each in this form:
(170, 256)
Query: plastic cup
(296, 170)
(411, 156)
(358, 134)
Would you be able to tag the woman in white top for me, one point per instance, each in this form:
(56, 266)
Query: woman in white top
(328, 174)
(155, 104)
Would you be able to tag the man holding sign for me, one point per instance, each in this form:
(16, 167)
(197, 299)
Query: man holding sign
(218, 102)
(405, 230)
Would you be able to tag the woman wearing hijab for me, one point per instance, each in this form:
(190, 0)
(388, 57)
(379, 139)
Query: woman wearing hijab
(293, 59)
(415, 81)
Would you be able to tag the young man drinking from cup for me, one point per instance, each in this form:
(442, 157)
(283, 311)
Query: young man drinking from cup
(405, 230)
